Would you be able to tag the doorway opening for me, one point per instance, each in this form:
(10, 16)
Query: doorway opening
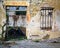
(16, 21)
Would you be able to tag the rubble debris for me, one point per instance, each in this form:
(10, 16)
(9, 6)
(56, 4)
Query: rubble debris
(45, 36)
(55, 40)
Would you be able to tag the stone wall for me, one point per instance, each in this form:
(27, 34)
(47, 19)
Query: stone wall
(2, 17)
(33, 27)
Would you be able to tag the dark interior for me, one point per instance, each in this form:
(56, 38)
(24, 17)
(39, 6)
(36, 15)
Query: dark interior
(20, 12)
(15, 32)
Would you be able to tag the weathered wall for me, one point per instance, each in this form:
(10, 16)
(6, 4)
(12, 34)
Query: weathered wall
(33, 27)
(2, 17)
(34, 31)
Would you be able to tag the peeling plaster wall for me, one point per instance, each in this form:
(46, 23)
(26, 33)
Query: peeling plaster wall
(57, 15)
(2, 17)
(33, 27)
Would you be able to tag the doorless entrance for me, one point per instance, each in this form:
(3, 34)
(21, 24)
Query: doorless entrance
(16, 21)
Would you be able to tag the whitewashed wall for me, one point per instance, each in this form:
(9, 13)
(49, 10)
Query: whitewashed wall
(57, 18)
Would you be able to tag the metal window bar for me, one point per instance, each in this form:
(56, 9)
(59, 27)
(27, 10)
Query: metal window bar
(46, 18)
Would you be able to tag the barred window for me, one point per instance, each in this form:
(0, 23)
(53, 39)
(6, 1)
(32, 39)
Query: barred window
(46, 18)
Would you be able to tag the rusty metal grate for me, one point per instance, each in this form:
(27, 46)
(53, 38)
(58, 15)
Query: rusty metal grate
(46, 18)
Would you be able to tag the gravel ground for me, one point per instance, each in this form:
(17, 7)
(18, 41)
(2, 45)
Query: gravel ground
(29, 44)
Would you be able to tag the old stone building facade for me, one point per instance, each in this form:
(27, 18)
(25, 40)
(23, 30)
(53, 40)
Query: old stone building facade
(33, 30)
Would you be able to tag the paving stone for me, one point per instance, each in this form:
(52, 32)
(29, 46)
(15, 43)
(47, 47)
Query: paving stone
(31, 44)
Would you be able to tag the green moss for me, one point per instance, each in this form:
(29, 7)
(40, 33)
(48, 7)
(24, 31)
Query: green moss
(19, 38)
(37, 40)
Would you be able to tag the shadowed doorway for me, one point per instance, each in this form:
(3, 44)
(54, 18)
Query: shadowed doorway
(16, 21)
